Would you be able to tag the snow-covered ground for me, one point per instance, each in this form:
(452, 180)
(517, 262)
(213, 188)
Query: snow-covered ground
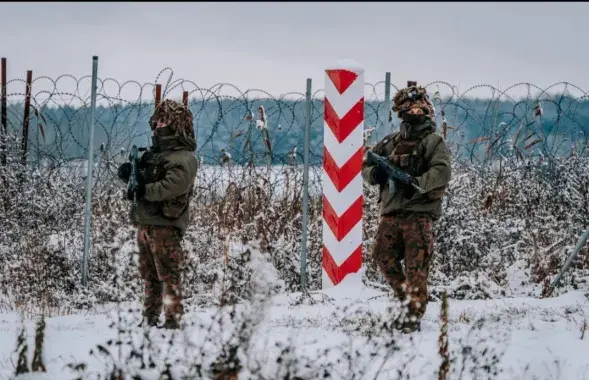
(532, 338)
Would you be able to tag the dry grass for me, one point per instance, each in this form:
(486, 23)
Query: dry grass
(32, 308)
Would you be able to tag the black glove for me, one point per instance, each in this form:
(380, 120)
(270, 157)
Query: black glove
(124, 172)
(140, 189)
(379, 176)
(146, 157)
(408, 190)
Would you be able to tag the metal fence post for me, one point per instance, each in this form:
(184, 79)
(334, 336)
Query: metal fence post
(387, 103)
(305, 220)
(568, 262)
(3, 117)
(25, 125)
(158, 94)
(89, 173)
(185, 98)
(387, 125)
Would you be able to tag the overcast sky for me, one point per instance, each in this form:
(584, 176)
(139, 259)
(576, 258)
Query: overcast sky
(276, 46)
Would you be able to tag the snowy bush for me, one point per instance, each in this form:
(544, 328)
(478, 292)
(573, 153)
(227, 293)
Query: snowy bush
(506, 230)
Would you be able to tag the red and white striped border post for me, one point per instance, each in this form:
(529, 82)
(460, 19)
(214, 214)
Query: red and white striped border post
(342, 164)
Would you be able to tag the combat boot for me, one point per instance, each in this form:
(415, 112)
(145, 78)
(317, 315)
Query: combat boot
(171, 324)
(406, 324)
(409, 327)
(148, 322)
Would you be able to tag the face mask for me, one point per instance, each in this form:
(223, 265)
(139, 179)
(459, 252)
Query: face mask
(155, 142)
(164, 131)
(414, 119)
(159, 138)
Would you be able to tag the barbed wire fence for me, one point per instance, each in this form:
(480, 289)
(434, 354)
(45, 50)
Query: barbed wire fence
(238, 128)
(249, 139)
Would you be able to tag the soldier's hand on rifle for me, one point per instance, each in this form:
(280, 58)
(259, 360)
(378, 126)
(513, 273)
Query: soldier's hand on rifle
(145, 157)
(379, 175)
(124, 172)
(140, 189)
(409, 189)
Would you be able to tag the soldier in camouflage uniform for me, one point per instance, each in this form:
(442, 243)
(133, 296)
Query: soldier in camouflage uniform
(405, 230)
(166, 176)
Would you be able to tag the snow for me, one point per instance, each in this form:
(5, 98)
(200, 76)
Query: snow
(538, 338)
(481, 254)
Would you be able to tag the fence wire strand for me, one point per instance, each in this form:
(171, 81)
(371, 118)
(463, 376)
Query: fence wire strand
(546, 122)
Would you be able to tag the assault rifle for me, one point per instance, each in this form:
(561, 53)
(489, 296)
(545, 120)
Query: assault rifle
(392, 172)
(133, 181)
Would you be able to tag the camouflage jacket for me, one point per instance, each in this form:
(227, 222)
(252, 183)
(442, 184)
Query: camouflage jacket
(431, 167)
(169, 174)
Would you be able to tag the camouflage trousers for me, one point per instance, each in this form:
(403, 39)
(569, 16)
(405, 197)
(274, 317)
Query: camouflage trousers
(406, 239)
(160, 265)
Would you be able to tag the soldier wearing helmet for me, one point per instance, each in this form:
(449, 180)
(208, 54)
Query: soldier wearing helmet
(404, 241)
(166, 177)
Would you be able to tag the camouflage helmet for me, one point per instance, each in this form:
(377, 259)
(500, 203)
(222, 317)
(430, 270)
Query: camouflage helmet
(175, 115)
(411, 97)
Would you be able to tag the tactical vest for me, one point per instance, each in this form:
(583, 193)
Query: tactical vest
(407, 154)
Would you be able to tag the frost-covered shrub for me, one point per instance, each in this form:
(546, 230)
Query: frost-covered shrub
(506, 230)
(38, 207)
(496, 217)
